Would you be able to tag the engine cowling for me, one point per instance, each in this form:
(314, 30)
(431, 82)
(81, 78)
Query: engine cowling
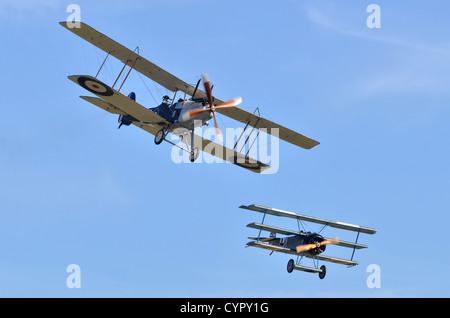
(315, 238)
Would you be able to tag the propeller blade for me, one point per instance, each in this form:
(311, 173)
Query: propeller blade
(194, 112)
(330, 241)
(207, 85)
(307, 247)
(231, 103)
(218, 132)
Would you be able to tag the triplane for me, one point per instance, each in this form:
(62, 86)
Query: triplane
(301, 243)
(178, 117)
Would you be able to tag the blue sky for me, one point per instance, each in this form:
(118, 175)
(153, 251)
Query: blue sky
(75, 190)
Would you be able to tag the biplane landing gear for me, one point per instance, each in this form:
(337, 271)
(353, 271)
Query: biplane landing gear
(290, 265)
(323, 272)
(160, 135)
(194, 154)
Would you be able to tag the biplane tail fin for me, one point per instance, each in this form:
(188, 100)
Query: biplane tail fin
(127, 120)
(132, 96)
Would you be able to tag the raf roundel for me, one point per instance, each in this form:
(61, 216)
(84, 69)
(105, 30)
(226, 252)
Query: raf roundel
(95, 87)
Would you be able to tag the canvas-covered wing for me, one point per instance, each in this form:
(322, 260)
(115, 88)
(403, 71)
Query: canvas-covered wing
(335, 224)
(103, 105)
(130, 58)
(118, 100)
(270, 228)
(335, 260)
(271, 247)
(227, 154)
(278, 230)
(256, 121)
(114, 110)
(286, 250)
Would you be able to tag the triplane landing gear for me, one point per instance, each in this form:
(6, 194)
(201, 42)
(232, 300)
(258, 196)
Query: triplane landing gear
(291, 266)
(323, 272)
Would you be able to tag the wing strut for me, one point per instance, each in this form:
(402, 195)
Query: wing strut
(123, 68)
(248, 137)
(131, 68)
(109, 52)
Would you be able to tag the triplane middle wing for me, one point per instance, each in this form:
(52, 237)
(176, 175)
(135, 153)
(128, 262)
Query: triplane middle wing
(301, 243)
(174, 116)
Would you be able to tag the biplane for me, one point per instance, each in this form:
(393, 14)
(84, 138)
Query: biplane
(301, 243)
(176, 117)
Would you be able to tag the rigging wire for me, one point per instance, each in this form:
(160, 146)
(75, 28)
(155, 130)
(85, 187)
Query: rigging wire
(147, 87)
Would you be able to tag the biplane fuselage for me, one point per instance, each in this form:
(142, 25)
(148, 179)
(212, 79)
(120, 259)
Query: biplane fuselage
(178, 114)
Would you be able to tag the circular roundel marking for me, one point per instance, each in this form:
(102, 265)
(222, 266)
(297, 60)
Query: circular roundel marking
(95, 86)
(246, 164)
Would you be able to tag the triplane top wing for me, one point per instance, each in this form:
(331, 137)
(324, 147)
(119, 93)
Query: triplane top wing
(302, 243)
(335, 224)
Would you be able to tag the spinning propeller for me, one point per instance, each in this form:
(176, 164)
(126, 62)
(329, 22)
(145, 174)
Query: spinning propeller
(212, 108)
(307, 247)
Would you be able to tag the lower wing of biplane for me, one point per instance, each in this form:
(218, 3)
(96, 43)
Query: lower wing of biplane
(116, 103)
(303, 244)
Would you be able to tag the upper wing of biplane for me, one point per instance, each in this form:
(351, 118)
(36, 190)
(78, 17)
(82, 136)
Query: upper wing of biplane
(130, 58)
(117, 103)
(174, 84)
(335, 224)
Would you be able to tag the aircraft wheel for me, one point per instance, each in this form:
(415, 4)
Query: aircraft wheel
(194, 154)
(323, 272)
(290, 265)
(159, 137)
